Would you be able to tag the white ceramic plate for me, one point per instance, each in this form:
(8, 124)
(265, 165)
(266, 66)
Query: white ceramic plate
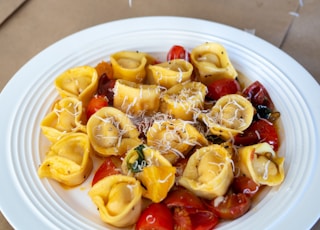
(28, 202)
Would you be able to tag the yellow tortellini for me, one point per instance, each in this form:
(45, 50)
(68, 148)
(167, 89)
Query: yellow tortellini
(68, 160)
(212, 62)
(155, 172)
(111, 132)
(65, 117)
(184, 100)
(136, 99)
(209, 172)
(80, 82)
(118, 198)
(231, 114)
(174, 138)
(170, 73)
(130, 66)
(261, 163)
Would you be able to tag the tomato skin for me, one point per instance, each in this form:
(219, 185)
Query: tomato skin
(96, 103)
(245, 185)
(194, 219)
(105, 87)
(110, 166)
(182, 220)
(222, 87)
(258, 95)
(259, 131)
(203, 220)
(155, 216)
(181, 197)
(178, 52)
(232, 207)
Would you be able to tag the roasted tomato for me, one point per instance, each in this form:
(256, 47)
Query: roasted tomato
(181, 197)
(203, 220)
(105, 87)
(259, 131)
(155, 216)
(222, 87)
(243, 184)
(194, 219)
(231, 206)
(181, 218)
(96, 103)
(104, 68)
(178, 52)
(258, 95)
(189, 212)
(110, 166)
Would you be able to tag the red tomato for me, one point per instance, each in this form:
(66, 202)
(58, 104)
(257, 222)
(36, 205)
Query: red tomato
(194, 219)
(259, 131)
(178, 52)
(182, 220)
(155, 216)
(245, 185)
(258, 95)
(203, 220)
(105, 87)
(232, 206)
(222, 87)
(96, 103)
(110, 166)
(181, 197)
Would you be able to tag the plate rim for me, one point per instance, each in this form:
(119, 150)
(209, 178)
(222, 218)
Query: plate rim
(309, 81)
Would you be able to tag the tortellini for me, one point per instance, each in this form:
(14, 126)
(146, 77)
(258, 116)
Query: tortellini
(80, 82)
(68, 160)
(118, 198)
(174, 138)
(111, 132)
(155, 172)
(136, 99)
(261, 163)
(184, 100)
(66, 116)
(130, 66)
(170, 73)
(231, 114)
(212, 63)
(209, 172)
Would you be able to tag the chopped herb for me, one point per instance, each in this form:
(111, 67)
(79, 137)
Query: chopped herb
(140, 163)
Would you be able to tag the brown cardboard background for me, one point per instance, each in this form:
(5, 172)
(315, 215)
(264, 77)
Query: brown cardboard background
(7, 8)
(303, 39)
(39, 23)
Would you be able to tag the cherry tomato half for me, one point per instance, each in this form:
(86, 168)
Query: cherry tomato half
(222, 87)
(155, 216)
(258, 95)
(259, 131)
(96, 103)
(194, 219)
(203, 220)
(181, 219)
(181, 197)
(178, 52)
(245, 185)
(110, 166)
(231, 207)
